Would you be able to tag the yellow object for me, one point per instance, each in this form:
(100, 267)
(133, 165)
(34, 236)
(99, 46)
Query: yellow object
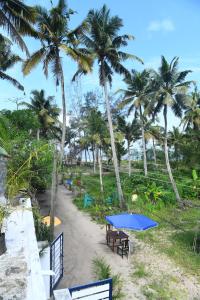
(134, 197)
(46, 220)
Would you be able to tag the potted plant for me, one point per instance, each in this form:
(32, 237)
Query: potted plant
(3, 214)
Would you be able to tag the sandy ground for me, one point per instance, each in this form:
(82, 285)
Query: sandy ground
(85, 240)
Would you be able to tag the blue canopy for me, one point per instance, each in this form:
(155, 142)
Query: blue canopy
(131, 221)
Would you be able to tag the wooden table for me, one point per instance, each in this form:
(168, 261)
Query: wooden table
(114, 236)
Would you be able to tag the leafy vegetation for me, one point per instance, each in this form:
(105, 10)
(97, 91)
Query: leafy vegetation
(102, 270)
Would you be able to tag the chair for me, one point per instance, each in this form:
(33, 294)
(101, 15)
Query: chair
(123, 248)
(87, 200)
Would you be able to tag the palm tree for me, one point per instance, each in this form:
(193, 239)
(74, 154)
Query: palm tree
(170, 91)
(46, 112)
(192, 112)
(55, 35)
(175, 139)
(136, 96)
(7, 61)
(17, 19)
(104, 43)
(131, 134)
(153, 132)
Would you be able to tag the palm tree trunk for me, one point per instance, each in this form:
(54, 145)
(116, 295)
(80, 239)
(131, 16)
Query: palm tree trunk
(115, 161)
(94, 161)
(154, 153)
(178, 198)
(100, 170)
(53, 194)
(64, 113)
(143, 145)
(38, 134)
(129, 160)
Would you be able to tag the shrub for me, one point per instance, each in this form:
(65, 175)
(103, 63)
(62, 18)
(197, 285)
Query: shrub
(102, 270)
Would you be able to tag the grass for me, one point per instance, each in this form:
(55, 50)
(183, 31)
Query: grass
(102, 270)
(175, 233)
(160, 290)
(140, 271)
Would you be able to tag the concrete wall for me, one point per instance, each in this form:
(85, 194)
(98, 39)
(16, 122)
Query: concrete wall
(20, 271)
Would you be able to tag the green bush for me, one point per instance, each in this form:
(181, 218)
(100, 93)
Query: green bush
(102, 270)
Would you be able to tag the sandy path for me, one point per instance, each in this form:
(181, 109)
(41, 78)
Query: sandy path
(84, 240)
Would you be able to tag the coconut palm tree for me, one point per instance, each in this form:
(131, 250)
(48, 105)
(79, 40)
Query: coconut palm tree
(104, 43)
(175, 138)
(131, 131)
(192, 112)
(17, 19)
(55, 35)
(170, 92)
(136, 96)
(7, 61)
(153, 132)
(45, 110)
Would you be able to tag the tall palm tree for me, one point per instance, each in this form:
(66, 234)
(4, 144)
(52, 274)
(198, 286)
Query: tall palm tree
(45, 110)
(192, 112)
(175, 138)
(7, 61)
(170, 91)
(55, 35)
(153, 132)
(136, 96)
(104, 43)
(131, 131)
(17, 19)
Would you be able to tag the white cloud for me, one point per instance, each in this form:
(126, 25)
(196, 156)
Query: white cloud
(162, 25)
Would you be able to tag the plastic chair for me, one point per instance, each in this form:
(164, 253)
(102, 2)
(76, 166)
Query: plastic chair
(87, 200)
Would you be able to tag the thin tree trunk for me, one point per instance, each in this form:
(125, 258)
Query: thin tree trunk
(143, 145)
(178, 198)
(129, 160)
(38, 134)
(94, 161)
(64, 114)
(115, 161)
(100, 170)
(154, 153)
(85, 156)
(53, 194)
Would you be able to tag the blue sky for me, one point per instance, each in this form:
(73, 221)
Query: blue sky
(169, 28)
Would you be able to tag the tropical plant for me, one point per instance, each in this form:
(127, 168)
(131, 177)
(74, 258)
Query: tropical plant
(55, 36)
(17, 19)
(154, 133)
(131, 133)
(7, 61)
(46, 112)
(136, 96)
(192, 112)
(175, 138)
(104, 44)
(102, 270)
(170, 92)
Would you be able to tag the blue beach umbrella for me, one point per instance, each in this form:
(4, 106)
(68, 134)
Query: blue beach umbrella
(131, 221)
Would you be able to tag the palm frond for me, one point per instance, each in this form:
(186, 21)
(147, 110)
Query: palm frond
(33, 61)
(11, 80)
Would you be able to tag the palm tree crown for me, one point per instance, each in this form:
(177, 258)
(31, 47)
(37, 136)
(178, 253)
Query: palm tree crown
(17, 19)
(104, 43)
(170, 86)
